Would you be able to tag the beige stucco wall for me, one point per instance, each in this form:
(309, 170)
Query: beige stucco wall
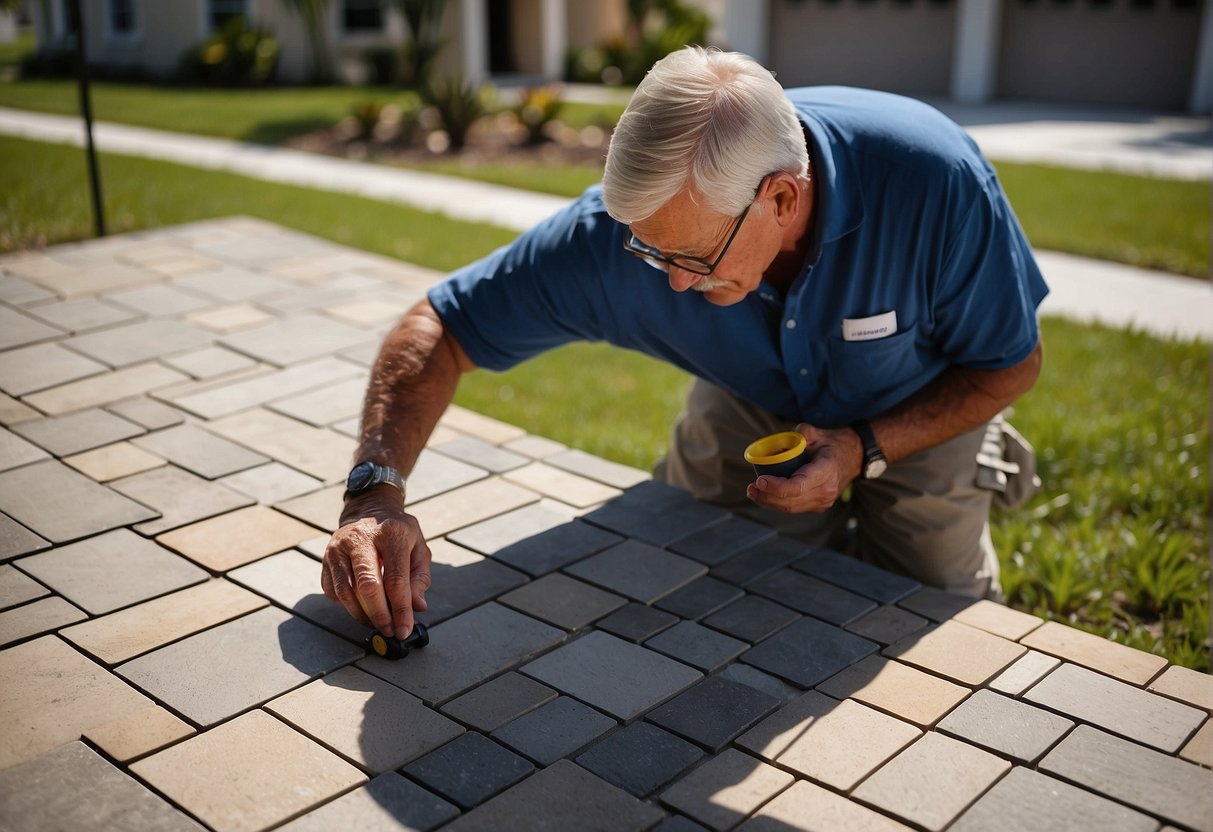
(900, 47)
(592, 21)
(1118, 54)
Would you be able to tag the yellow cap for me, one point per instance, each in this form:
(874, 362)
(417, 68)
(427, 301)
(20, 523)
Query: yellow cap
(379, 644)
(776, 448)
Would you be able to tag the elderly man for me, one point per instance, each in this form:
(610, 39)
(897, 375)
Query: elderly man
(857, 276)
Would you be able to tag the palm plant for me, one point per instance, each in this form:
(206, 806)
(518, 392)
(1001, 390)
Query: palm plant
(424, 21)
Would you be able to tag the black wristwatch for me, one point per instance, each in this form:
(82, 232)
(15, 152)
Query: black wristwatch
(874, 462)
(366, 475)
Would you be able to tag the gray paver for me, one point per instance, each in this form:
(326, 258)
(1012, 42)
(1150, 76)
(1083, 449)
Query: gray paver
(1025, 799)
(149, 413)
(498, 701)
(76, 432)
(35, 368)
(700, 597)
(143, 341)
(1027, 670)
(16, 540)
(436, 474)
(1006, 726)
(456, 589)
(1117, 707)
(640, 758)
(292, 580)
(714, 711)
(656, 513)
(296, 339)
(813, 597)
(225, 399)
(16, 588)
(697, 646)
(637, 622)
(76, 316)
(726, 789)
(37, 618)
(936, 604)
(563, 601)
(386, 804)
(501, 532)
(158, 300)
(638, 570)
(482, 454)
(596, 468)
(61, 505)
(1154, 782)
(751, 618)
(857, 576)
(17, 329)
(550, 550)
(555, 730)
(807, 807)
(807, 652)
(469, 769)
(326, 405)
(180, 497)
(679, 823)
(612, 675)
(887, 624)
(263, 654)
(759, 560)
(466, 650)
(73, 787)
(718, 543)
(271, 483)
(15, 451)
(194, 449)
(562, 796)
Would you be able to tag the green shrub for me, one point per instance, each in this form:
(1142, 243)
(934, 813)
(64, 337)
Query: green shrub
(235, 56)
(537, 108)
(458, 103)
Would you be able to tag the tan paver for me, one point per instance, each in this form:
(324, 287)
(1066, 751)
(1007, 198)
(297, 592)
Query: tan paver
(613, 474)
(321, 453)
(470, 504)
(321, 509)
(16, 587)
(809, 808)
(1186, 685)
(248, 774)
(373, 724)
(561, 485)
(1199, 749)
(237, 538)
(51, 695)
(488, 429)
(111, 387)
(37, 618)
(122, 635)
(957, 651)
(727, 788)
(999, 620)
(139, 733)
(122, 459)
(1026, 671)
(13, 412)
(536, 447)
(896, 689)
(1135, 666)
(231, 318)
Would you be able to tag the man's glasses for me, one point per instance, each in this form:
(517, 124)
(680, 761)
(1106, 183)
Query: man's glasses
(694, 265)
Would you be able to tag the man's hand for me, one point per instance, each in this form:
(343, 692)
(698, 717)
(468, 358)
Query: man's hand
(836, 459)
(377, 564)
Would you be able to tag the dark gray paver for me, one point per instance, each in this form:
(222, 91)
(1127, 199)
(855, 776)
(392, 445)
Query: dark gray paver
(755, 678)
(469, 770)
(714, 711)
(73, 787)
(751, 618)
(456, 589)
(180, 497)
(857, 576)
(640, 758)
(641, 572)
(637, 622)
(813, 597)
(1117, 707)
(719, 542)
(936, 604)
(697, 646)
(887, 624)
(554, 730)
(61, 505)
(700, 597)
(558, 547)
(292, 580)
(225, 670)
(466, 650)
(125, 345)
(681, 823)
(1006, 726)
(612, 675)
(482, 454)
(386, 804)
(76, 432)
(16, 540)
(808, 652)
(498, 701)
(1154, 782)
(656, 513)
(563, 601)
(759, 560)
(194, 449)
(112, 570)
(1025, 799)
(562, 796)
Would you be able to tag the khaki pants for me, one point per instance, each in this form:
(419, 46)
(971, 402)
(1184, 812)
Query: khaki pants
(925, 517)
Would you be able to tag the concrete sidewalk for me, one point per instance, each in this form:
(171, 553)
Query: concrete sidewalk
(1085, 289)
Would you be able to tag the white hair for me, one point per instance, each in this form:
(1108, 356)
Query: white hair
(716, 121)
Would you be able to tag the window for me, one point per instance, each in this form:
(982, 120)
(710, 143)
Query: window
(122, 17)
(362, 15)
(220, 12)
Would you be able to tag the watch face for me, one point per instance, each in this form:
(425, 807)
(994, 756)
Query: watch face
(875, 468)
(360, 477)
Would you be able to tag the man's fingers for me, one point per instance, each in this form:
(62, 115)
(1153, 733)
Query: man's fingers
(420, 574)
(338, 586)
(369, 591)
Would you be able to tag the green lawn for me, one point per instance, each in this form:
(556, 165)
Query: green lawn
(1116, 543)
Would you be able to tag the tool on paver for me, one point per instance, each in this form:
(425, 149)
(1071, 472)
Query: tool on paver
(396, 648)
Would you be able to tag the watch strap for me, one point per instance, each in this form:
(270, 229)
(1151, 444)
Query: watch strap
(871, 450)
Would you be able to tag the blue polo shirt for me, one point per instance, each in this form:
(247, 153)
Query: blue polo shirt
(918, 264)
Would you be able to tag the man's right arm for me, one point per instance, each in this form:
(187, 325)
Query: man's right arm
(377, 564)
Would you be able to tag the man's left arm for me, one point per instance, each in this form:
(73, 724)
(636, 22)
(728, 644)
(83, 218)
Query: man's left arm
(959, 400)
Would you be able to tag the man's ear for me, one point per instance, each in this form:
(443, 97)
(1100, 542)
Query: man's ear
(784, 196)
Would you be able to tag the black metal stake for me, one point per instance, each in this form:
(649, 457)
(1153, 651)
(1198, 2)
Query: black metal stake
(87, 110)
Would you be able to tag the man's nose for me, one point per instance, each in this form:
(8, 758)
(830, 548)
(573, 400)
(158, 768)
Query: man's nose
(681, 279)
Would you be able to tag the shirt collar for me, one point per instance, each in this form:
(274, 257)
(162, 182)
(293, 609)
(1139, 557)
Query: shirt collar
(839, 196)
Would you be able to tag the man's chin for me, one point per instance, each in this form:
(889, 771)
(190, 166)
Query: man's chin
(721, 293)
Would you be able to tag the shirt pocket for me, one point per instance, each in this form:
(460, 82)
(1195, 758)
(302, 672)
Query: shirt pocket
(862, 372)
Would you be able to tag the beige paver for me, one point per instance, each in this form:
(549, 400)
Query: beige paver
(488, 429)
(13, 412)
(122, 635)
(321, 453)
(248, 774)
(270, 483)
(1199, 749)
(957, 651)
(16, 587)
(237, 538)
(369, 313)
(37, 618)
(121, 459)
(231, 318)
(1186, 685)
(1026, 671)
(320, 508)
(561, 485)
(470, 504)
(896, 689)
(1135, 666)
(51, 695)
(613, 474)
(536, 447)
(241, 393)
(111, 387)
(373, 724)
(806, 807)
(999, 620)
(139, 733)
(727, 788)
